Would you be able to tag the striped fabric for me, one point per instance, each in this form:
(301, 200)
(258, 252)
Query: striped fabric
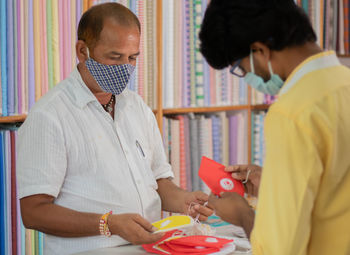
(38, 48)
(192, 136)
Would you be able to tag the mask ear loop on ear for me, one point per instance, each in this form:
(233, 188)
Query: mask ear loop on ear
(270, 67)
(251, 62)
(88, 52)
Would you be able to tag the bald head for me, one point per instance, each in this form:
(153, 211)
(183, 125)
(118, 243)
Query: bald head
(92, 21)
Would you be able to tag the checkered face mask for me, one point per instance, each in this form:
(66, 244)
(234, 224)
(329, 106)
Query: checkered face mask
(111, 78)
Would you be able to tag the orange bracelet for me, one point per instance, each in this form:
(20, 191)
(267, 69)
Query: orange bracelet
(104, 230)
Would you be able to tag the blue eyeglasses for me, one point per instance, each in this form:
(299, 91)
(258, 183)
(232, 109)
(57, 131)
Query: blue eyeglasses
(236, 70)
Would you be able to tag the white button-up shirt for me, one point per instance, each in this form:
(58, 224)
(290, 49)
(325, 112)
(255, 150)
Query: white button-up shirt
(70, 148)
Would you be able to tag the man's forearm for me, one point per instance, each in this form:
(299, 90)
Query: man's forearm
(60, 221)
(171, 195)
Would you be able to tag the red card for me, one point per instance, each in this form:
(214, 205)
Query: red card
(214, 175)
(149, 247)
(190, 249)
(204, 241)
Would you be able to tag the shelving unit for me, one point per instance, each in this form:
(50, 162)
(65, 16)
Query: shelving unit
(160, 112)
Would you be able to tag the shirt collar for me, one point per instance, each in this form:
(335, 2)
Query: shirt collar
(313, 63)
(82, 94)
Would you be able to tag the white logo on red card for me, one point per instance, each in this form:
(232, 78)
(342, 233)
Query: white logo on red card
(226, 184)
(211, 240)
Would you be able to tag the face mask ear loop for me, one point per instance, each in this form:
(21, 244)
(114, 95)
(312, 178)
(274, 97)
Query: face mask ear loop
(251, 62)
(88, 52)
(270, 67)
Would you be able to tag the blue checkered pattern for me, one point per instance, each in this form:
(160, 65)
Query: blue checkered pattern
(111, 78)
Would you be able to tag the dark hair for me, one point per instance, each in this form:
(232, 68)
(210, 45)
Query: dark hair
(91, 23)
(231, 26)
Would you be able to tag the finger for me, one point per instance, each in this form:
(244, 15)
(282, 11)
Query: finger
(241, 176)
(201, 196)
(202, 218)
(236, 168)
(144, 237)
(203, 210)
(144, 223)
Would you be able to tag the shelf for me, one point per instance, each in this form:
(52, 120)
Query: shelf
(170, 111)
(343, 55)
(204, 109)
(260, 107)
(13, 119)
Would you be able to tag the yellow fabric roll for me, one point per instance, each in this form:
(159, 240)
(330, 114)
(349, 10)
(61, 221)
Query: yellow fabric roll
(37, 50)
(55, 43)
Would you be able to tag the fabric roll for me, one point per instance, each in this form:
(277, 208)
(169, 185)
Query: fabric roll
(8, 246)
(31, 58)
(15, 56)
(73, 37)
(2, 195)
(13, 193)
(43, 50)
(10, 57)
(49, 29)
(20, 39)
(37, 49)
(194, 152)
(182, 147)
(61, 38)
(56, 59)
(187, 153)
(140, 61)
(21, 58)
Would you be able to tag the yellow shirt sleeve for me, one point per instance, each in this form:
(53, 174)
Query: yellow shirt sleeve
(289, 184)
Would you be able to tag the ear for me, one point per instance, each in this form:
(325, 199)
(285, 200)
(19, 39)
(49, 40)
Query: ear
(262, 50)
(81, 51)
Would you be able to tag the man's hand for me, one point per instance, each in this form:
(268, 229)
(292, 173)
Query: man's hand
(175, 199)
(133, 228)
(195, 202)
(234, 209)
(240, 172)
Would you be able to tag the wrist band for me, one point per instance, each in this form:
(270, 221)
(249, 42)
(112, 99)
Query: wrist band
(104, 230)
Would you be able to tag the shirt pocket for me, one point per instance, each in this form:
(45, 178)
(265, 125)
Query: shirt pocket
(145, 162)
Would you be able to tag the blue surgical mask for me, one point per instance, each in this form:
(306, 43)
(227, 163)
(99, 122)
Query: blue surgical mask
(111, 78)
(271, 87)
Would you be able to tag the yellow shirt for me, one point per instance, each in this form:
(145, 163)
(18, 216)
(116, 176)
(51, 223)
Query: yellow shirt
(304, 196)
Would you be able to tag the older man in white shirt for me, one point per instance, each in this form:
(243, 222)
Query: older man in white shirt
(90, 146)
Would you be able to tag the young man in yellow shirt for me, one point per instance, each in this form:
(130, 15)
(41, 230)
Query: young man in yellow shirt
(304, 203)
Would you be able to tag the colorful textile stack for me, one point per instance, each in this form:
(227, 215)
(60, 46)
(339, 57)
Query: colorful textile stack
(258, 143)
(14, 238)
(330, 20)
(38, 48)
(220, 136)
(261, 98)
(188, 81)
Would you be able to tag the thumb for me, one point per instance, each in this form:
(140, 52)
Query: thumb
(145, 224)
